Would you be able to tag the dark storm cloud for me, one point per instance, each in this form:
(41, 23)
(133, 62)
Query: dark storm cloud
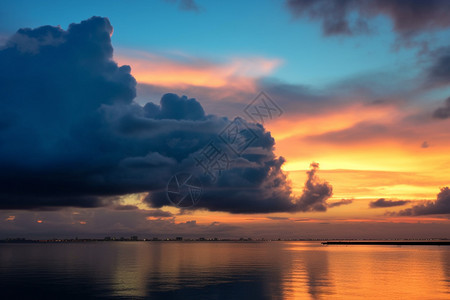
(72, 135)
(409, 17)
(53, 84)
(387, 203)
(174, 107)
(340, 202)
(257, 186)
(440, 206)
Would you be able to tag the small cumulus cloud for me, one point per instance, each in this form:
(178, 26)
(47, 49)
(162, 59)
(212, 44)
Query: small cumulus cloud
(387, 203)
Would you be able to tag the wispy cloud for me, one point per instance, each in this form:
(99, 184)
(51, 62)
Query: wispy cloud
(188, 5)
(387, 203)
(410, 18)
(340, 203)
(183, 70)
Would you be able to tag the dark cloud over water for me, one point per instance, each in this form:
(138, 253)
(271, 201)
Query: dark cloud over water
(71, 134)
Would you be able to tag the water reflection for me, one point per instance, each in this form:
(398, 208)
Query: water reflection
(222, 270)
(445, 262)
(308, 274)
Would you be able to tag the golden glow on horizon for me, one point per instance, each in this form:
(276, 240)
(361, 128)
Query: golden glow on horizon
(389, 164)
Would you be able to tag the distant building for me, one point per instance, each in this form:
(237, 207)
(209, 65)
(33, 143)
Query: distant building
(179, 238)
(134, 238)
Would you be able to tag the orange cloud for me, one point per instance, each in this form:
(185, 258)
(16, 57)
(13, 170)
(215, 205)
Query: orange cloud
(183, 70)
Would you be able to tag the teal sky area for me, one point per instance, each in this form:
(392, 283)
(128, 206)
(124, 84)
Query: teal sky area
(220, 30)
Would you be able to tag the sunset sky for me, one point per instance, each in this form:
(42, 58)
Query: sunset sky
(359, 149)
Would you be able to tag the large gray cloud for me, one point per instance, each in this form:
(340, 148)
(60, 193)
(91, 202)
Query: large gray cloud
(440, 206)
(72, 135)
(409, 17)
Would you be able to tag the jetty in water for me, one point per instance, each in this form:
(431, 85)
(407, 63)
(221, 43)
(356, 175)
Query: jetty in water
(396, 243)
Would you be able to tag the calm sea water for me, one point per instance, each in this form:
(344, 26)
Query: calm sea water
(222, 270)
